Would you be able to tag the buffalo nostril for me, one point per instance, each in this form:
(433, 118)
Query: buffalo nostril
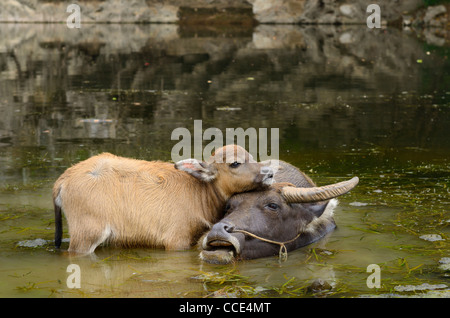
(228, 228)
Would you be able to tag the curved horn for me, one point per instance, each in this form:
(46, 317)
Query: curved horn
(315, 194)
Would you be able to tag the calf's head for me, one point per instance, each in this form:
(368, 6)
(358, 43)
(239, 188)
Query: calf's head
(257, 222)
(231, 168)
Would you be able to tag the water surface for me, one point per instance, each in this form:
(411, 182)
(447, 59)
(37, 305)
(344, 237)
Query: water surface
(347, 101)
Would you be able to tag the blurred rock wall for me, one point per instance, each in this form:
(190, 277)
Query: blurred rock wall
(221, 11)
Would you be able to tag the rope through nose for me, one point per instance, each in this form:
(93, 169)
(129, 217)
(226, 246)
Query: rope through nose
(282, 254)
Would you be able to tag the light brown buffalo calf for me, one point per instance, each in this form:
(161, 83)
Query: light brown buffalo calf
(128, 202)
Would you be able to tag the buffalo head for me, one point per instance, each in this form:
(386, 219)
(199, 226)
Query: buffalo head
(287, 215)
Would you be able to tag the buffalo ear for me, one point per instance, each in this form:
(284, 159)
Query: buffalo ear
(317, 209)
(198, 169)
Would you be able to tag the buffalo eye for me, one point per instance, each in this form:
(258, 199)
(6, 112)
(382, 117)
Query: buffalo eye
(235, 164)
(227, 208)
(272, 206)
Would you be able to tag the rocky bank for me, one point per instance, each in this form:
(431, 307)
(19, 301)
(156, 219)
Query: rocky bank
(226, 11)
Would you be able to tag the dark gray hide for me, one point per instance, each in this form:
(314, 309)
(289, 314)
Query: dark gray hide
(272, 214)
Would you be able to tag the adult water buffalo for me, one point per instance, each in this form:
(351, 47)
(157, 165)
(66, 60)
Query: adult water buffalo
(291, 213)
(128, 202)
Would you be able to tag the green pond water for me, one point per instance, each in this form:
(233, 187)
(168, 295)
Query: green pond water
(348, 101)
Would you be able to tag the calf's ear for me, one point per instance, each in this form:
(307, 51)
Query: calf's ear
(198, 169)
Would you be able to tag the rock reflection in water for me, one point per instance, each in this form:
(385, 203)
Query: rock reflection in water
(136, 83)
